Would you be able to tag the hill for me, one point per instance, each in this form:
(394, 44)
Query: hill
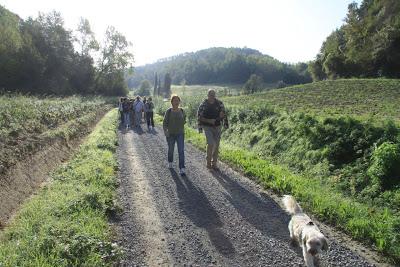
(221, 65)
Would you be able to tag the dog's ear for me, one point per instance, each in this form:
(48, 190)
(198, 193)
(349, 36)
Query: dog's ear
(324, 244)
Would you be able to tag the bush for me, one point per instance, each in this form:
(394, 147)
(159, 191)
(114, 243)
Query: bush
(385, 167)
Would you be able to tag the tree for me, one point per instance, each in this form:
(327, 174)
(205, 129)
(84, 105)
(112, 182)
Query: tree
(114, 58)
(85, 38)
(11, 41)
(144, 89)
(155, 84)
(253, 84)
(367, 45)
(167, 85)
(159, 89)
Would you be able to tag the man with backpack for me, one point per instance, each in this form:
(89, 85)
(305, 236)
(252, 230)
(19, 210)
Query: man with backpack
(211, 116)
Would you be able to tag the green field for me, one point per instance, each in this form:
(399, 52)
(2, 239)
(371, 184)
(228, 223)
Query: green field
(364, 99)
(221, 89)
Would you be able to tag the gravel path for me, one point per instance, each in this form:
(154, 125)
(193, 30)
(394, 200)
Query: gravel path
(205, 218)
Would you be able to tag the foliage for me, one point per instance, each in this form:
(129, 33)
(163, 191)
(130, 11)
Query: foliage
(367, 45)
(37, 55)
(385, 167)
(144, 89)
(66, 223)
(253, 85)
(167, 85)
(114, 58)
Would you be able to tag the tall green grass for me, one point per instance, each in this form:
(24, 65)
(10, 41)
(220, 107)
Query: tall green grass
(66, 223)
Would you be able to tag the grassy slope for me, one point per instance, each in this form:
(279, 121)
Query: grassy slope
(66, 223)
(376, 99)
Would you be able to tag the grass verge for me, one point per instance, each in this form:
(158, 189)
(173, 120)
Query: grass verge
(66, 223)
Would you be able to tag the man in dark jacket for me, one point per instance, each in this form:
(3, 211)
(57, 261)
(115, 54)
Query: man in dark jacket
(211, 115)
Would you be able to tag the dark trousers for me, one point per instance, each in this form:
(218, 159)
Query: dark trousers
(180, 141)
(122, 116)
(150, 119)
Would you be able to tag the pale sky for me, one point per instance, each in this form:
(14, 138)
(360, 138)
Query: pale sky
(288, 30)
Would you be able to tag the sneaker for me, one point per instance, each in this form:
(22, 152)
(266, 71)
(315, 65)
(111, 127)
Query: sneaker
(170, 165)
(182, 171)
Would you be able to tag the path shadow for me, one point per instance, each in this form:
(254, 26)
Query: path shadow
(138, 130)
(122, 128)
(153, 131)
(195, 205)
(262, 212)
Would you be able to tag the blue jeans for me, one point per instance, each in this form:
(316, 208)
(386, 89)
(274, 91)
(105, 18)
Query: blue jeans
(180, 140)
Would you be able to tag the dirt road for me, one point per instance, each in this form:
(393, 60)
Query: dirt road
(205, 218)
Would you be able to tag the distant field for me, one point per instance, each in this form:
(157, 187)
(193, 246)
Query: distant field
(375, 99)
(221, 89)
(197, 90)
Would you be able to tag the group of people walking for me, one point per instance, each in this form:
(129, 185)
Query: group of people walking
(133, 110)
(211, 117)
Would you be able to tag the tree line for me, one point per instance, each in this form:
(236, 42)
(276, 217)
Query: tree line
(366, 45)
(221, 65)
(40, 56)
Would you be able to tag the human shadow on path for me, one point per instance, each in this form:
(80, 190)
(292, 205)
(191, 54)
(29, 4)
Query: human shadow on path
(263, 213)
(195, 205)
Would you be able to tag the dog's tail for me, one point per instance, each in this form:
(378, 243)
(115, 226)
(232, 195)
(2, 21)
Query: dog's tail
(291, 205)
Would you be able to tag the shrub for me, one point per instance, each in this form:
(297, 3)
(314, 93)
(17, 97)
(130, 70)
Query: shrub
(385, 167)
